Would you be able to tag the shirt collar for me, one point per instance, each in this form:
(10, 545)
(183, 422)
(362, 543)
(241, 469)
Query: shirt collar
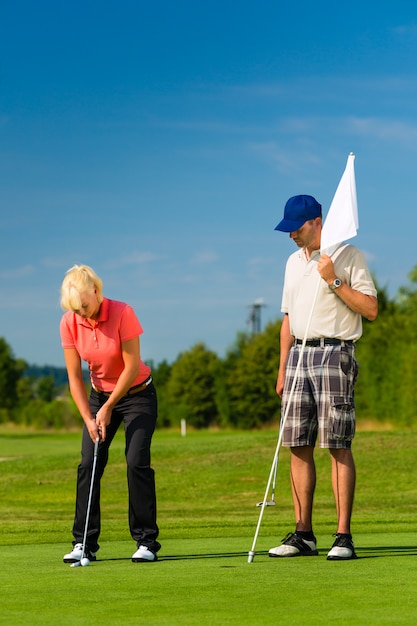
(302, 254)
(103, 315)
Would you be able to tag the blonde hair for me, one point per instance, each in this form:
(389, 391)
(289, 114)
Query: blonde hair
(78, 279)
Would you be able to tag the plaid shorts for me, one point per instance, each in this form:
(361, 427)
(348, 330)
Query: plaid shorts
(323, 399)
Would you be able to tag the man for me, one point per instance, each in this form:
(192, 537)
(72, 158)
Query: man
(323, 400)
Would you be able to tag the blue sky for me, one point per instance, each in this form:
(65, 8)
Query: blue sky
(158, 142)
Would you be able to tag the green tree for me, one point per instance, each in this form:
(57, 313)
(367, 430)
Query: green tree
(46, 388)
(387, 356)
(10, 372)
(191, 389)
(251, 380)
(226, 366)
(160, 375)
(407, 295)
(25, 389)
(375, 391)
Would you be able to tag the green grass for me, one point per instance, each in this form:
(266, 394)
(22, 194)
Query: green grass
(208, 485)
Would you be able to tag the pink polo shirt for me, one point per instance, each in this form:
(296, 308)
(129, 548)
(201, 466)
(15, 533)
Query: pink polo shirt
(100, 346)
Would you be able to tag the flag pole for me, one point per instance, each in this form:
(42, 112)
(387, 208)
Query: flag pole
(251, 552)
(344, 197)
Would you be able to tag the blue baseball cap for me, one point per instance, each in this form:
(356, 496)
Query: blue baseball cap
(298, 210)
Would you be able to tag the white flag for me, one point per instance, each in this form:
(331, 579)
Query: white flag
(341, 222)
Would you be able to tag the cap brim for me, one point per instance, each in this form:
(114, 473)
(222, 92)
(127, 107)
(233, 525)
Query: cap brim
(287, 226)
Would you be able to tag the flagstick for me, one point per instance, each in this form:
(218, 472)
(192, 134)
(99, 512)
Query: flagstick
(251, 552)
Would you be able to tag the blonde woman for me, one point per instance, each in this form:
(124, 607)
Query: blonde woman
(106, 335)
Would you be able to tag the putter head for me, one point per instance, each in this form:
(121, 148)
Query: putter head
(267, 503)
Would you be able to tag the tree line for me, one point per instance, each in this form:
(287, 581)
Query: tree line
(238, 390)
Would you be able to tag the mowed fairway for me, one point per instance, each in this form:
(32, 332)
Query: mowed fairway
(208, 485)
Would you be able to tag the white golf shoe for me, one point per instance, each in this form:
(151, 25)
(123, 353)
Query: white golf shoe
(77, 554)
(294, 545)
(342, 549)
(144, 555)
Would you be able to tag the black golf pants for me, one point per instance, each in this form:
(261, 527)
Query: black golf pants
(138, 413)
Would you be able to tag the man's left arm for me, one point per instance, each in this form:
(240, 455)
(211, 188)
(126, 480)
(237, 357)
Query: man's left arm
(362, 303)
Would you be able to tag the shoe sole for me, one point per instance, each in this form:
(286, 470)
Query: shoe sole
(291, 556)
(144, 560)
(342, 558)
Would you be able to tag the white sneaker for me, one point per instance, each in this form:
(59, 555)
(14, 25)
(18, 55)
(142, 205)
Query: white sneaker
(143, 555)
(293, 545)
(77, 554)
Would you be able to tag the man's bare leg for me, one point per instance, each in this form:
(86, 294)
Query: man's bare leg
(303, 484)
(343, 482)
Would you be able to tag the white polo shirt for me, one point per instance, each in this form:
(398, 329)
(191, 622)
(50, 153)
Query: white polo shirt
(331, 317)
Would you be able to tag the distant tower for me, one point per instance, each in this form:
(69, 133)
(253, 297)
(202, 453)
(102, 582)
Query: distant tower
(254, 321)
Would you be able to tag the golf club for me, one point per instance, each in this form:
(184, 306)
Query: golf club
(84, 561)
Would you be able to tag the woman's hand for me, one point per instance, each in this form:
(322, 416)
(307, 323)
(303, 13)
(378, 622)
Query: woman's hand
(103, 419)
(93, 430)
